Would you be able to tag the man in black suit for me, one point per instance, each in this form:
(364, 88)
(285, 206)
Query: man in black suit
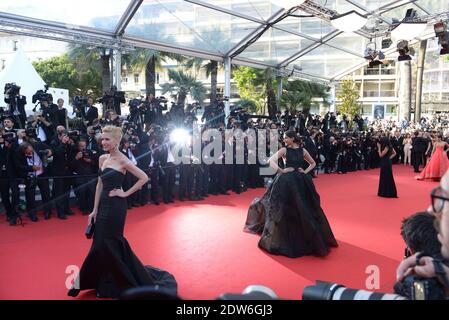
(418, 149)
(30, 166)
(82, 164)
(16, 104)
(8, 182)
(62, 153)
(396, 142)
(310, 145)
(89, 112)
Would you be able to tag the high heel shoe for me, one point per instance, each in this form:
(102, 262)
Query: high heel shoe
(73, 292)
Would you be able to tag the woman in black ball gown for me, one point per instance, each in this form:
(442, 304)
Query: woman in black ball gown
(111, 267)
(387, 187)
(289, 215)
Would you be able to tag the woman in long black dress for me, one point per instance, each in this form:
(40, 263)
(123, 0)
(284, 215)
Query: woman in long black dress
(111, 267)
(387, 187)
(289, 215)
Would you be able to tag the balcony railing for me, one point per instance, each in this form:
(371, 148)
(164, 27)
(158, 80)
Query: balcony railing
(377, 94)
(376, 72)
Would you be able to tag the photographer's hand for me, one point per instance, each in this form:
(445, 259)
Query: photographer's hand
(425, 268)
(79, 155)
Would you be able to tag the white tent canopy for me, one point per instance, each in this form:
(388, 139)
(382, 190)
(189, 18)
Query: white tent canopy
(20, 71)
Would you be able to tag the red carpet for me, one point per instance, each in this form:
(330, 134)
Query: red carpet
(203, 245)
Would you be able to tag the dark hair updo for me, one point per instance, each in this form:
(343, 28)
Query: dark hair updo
(292, 135)
(384, 142)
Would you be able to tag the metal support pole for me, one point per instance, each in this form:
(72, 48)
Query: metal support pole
(117, 69)
(419, 77)
(227, 85)
(279, 93)
(333, 97)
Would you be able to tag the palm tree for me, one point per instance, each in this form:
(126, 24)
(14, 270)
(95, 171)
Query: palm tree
(214, 39)
(182, 85)
(149, 60)
(300, 93)
(211, 67)
(86, 58)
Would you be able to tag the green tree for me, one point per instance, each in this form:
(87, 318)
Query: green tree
(182, 85)
(299, 94)
(213, 39)
(60, 72)
(211, 68)
(257, 85)
(92, 59)
(348, 97)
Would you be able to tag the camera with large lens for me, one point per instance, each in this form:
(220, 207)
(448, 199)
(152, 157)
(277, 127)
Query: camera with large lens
(42, 95)
(87, 154)
(414, 287)
(333, 291)
(111, 97)
(45, 155)
(9, 137)
(129, 127)
(161, 102)
(78, 103)
(73, 135)
(11, 89)
(30, 132)
(137, 105)
(97, 129)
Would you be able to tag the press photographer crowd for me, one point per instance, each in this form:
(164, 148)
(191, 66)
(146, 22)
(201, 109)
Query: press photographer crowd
(47, 150)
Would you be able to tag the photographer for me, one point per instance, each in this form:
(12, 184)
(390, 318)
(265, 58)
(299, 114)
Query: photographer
(142, 153)
(92, 143)
(330, 150)
(110, 119)
(8, 182)
(156, 159)
(31, 164)
(89, 113)
(421, 264)
(83, 165)
(42, 128)
(128, 147)
(139, 112)
(62, 149)
(111, 100)
(16, 104)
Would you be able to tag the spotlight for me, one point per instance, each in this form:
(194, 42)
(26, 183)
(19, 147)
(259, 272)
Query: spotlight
(443, 37)
(404, 51)
(373, 55)
(440, 29)
(386, 43)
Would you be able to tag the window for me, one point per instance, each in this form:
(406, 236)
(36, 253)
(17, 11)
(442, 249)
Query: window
(15, 45)
(125, 79)
(157, 78)
(136, 78)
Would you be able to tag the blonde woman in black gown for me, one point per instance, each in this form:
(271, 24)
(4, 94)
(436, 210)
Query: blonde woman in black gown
(111, 266)
(289, 215)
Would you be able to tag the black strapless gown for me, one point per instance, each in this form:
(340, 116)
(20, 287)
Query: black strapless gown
(289, 214)
(111, 266)
(387, 186)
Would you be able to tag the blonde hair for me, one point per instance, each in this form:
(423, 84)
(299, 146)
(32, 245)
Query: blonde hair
(115, 132)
